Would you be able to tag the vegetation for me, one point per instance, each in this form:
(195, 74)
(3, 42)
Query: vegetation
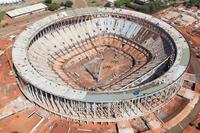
(107, 4)
(68, 3)
(151, 7)
(62, 4)
(155, 6)
(48, 1)
(120, 3)
(53, 6)
(193, 3)
(93, 2)
(4, 25)
(2, 14)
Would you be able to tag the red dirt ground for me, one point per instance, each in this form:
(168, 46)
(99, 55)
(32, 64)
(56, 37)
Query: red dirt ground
(4, 43)
(190, 129)
(8, 86)
(55, 124)
(185, 30)
(62, 125)
(19, 122)
(79, 3)
(107, 66)
(173, 106)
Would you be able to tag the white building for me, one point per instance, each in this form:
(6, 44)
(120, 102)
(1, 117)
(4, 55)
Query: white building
(2, 2)
(26, 10)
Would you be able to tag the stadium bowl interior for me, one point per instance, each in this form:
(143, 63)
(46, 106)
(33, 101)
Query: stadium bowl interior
(100, 52)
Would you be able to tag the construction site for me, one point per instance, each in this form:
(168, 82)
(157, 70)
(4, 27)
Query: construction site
(120, 73)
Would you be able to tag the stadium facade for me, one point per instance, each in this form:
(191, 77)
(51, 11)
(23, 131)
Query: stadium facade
(42, 53)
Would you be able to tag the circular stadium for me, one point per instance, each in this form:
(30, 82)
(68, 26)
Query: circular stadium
(100, 64)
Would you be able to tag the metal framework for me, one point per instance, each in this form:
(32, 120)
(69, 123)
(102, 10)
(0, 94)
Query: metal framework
(141, 96)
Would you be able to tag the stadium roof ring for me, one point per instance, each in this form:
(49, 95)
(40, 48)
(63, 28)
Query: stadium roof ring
(100, 64)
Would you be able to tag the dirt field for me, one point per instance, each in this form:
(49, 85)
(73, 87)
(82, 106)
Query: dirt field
(79, 3)
(19, 122)
(173, 107)
(5, 43)
(190, 129)
(8, 86)
(59, 125)
(99, 70)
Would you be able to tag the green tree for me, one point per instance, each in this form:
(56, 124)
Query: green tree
(107, 4)
(2, 14)
(53, 6)
(62, 4)
(119, 3)
(48, 1)
(68, 3)
(191, 3)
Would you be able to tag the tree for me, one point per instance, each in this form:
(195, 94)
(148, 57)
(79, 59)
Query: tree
(191, 3)
(2, 14)
(107, 4)
(62, 4)
(119, 3)
(53, 6)
(48, 1)
(68, 3)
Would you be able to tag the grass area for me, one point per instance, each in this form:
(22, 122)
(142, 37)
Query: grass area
(2, 14)
(95, 2)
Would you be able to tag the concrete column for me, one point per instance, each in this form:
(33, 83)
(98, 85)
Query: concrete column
(129, 108)
(52, 103)
(47, 100)
(42, 97)
(94, 110)
(87, 108)
(30, 91)
(57, 104)
(71, 108)
(145, 102)
(61, 105)
(109, 106)
(65, 106)
(33, 93)
(37, 94)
